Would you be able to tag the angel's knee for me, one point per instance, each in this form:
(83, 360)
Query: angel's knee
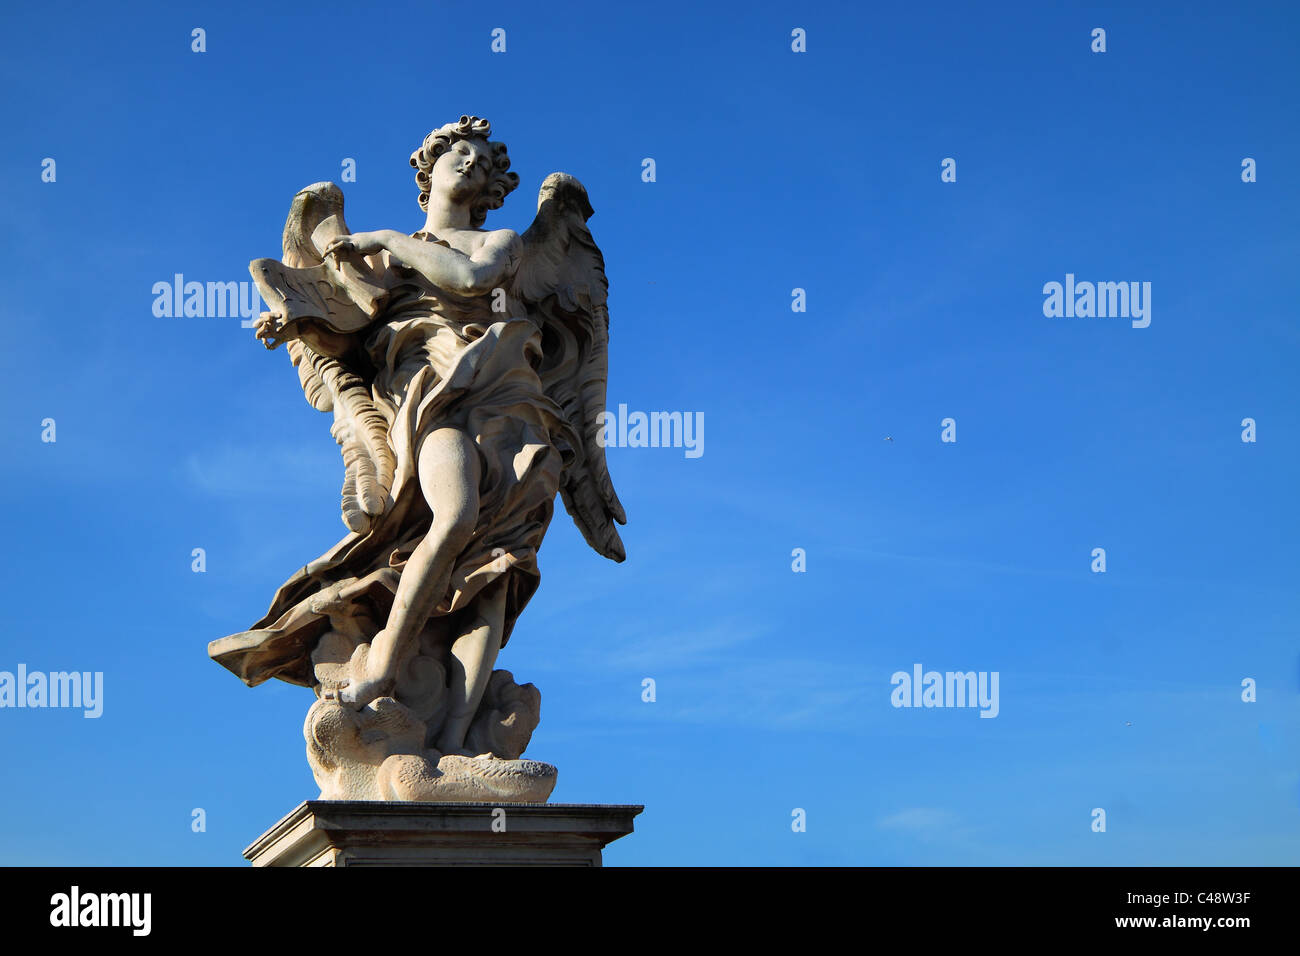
(455, 523)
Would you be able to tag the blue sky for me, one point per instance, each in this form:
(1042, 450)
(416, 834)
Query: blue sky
(775, 170)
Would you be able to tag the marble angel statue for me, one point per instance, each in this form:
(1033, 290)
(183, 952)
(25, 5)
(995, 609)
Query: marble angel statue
(465, 369)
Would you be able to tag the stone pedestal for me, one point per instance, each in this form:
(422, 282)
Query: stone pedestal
(374, 833)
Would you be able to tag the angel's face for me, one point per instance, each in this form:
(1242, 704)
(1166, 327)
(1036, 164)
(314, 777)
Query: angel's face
(462, 171)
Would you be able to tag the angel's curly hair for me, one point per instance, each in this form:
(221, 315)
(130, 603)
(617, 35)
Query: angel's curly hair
(501, 182)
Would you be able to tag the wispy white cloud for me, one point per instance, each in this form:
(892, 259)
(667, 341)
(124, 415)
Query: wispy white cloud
(680, 649)
(919, 819)
(259, 467)
(770, 694)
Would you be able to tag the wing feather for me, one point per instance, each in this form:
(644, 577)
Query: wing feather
(561, 279)
(360, 428)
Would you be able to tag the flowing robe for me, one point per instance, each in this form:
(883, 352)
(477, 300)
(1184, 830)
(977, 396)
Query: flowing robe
(442, 360)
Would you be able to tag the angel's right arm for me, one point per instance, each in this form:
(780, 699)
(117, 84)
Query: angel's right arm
(489, 268)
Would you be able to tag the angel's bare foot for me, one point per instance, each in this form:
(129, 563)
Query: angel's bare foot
(462, 752)
(466, 752)
(357, 693)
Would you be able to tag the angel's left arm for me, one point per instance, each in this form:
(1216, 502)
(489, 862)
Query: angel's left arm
(489, 268)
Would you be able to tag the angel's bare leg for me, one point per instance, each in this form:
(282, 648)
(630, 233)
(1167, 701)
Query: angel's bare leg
(472, 657)
(449, 468)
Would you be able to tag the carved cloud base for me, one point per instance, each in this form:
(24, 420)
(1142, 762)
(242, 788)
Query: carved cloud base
(377, 753)
(385, 750)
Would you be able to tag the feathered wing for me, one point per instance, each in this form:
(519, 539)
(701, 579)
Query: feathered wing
(561, 280)
(346, 301)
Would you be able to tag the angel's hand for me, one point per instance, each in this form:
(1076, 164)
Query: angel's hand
(267, 328)
(365, 243)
